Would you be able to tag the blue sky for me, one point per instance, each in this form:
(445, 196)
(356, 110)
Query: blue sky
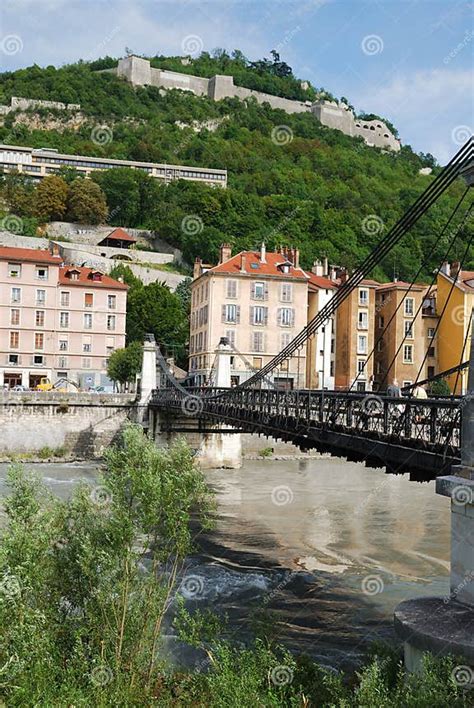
(408, 60)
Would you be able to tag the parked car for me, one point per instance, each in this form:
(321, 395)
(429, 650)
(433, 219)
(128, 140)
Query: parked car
(19, 387)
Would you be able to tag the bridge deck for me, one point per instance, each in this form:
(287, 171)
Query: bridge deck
(420, 436)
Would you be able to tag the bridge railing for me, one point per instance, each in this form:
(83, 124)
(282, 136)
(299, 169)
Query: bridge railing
(422, 423)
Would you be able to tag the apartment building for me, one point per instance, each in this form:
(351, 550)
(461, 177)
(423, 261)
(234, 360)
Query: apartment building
(405, 341)
(321, 347)
(355, 337)
(56, 321)
(39, 162)
(455, 296)
(259, 302)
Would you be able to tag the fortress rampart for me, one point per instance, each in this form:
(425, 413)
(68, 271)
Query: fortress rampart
(139, 72)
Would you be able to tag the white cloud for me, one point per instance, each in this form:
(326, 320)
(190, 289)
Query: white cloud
(426, 107)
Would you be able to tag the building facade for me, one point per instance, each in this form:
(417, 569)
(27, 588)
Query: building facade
(455, 296)
(321, 347)
(259, 302)
(38, 163)
(354, 367)
(56, 321)
(405, 349)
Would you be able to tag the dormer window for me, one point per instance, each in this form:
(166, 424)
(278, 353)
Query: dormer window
(96, 276)
(72, 274)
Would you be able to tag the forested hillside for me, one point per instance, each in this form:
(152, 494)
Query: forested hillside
(303, 184)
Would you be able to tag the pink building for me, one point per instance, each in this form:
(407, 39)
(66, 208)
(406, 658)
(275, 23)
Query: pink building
(56, 321)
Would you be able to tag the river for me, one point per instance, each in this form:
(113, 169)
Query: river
(330, 546)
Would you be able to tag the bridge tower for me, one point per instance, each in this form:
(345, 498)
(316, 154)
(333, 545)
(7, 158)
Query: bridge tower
(445, 625)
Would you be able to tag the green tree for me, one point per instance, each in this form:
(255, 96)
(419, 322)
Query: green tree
(18, 193)
(125, 364)
(122, 193)
(86, 202)
(50, 198)
(440, 388)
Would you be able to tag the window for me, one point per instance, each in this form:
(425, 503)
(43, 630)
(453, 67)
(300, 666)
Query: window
(257, 342)
(380, 345)
(112, 302)
(257, 362)
(64, 319)
(110, 322)
(431, 372)
(38, 359)
(409, 306)
(381, 322)
(40, 297)
(259, 291)
(286, 317)
(13, 359)
(361, 366)
(408, 353)
(39, 340)
(286, 292)
(258, 315)
(63, 344)
(431, 332)
(431, 351)
(409, 329)
(86, 347)
(362, 320)
(39, 318)
(406, 383)
(88, 299)
(16, 295)
(362, 344)
(231, 288)
(64, 299)
(86, 363)
(41, 272)
(14, 340)
(363, 297)
(87, 320)
(285, 339)
(62, 362)
(231, 313)
(14, 270)
(230, 334)
(15, 317)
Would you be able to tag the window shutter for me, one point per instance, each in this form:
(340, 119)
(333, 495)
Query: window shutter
(251, 314)
(223, 313)
(292, 319)
(265, 291)
(279, 316)
(265, 315)
(252, 291)
(237, 315)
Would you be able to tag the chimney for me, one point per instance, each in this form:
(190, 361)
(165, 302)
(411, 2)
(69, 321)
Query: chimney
(242, 263)
(332, 272)
(445, 268)
(54, 248)
(225, 252)
(197, 270)
(455, 270)
(343, 276)
(325, 267)
(263, 253)
(317, 268)
(296, 257)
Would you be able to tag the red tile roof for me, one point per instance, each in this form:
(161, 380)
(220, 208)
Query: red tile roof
(270, 267)
(463, 280)
(402, 286)
(85, 279)
(30, 255)
(118, 234)
(319, 281)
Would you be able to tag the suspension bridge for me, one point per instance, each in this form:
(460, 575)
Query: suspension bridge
(403, 434)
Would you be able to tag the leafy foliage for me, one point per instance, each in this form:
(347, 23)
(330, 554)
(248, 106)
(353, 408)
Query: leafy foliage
(124, 364)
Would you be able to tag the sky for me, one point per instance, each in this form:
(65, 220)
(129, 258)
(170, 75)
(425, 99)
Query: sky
(407, 60)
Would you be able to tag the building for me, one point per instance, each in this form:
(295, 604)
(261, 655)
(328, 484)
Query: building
(320, 352)
(56, 321)
(405, 326)
(354, 367)
(39, 162)
(118, 238)
(454, 303)
(259, 302)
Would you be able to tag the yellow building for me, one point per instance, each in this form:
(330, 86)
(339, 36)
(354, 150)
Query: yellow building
(455, 294)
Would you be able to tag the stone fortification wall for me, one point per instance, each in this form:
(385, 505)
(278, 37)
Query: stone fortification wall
(83, 425)
(139, 72)
(24, 104)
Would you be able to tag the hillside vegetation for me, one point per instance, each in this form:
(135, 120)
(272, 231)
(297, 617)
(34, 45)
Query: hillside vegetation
(303, 184)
